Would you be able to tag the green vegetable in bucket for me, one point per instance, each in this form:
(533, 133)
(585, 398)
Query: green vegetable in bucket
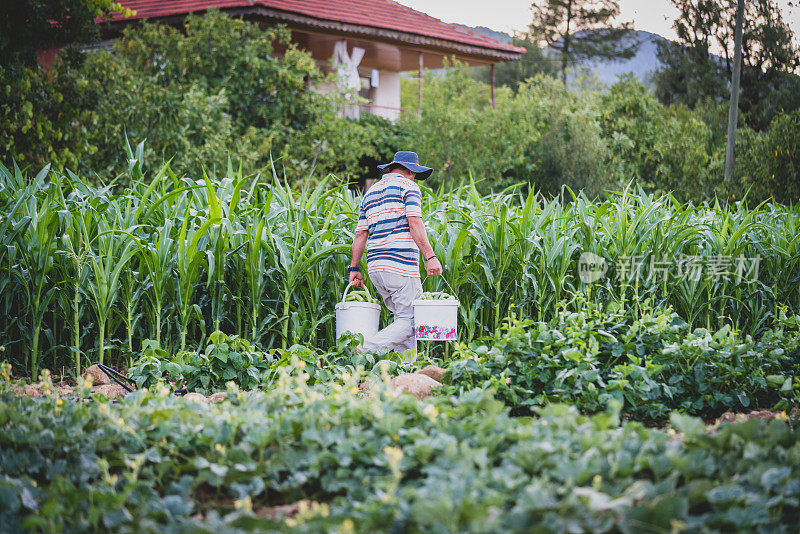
(436, 295)
(360, 295)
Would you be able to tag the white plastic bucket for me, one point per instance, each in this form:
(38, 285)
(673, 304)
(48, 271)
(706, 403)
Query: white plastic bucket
(436, 320)
(357, 317)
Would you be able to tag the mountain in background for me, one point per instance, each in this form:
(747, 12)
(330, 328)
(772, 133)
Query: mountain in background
(488, 32)
(642, 65)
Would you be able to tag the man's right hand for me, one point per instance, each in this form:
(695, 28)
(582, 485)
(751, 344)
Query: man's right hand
(433, 267)
(356, 279)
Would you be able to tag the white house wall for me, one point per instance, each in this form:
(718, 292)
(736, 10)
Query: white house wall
(387, 95)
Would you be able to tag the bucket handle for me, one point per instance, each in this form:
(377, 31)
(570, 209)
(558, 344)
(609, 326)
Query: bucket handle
(347, 288)
(445, 282)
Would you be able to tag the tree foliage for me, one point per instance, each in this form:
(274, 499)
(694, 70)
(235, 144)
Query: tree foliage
(599, 139)
(541, 135)
(39, 120)
(663, 148)
(581, 29)
(198, 94)
(771, 161)
(692, 72)
(30, 25)
(213, 89)
(535, 61)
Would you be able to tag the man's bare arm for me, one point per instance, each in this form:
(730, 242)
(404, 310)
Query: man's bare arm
(356, 251)
(420, 237)
(359, 244)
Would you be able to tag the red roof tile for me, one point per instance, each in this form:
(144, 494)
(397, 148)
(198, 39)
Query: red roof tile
(384, 14)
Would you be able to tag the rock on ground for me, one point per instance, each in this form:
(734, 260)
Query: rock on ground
(99, 378)
(432, 371)
(31, 390)
(731, 417)
(419, 385)
(112, 391)
(35, 390)
(195, 397)
(219, 396)
(282, 511)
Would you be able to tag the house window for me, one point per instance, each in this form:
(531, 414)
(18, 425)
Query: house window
(366, 90)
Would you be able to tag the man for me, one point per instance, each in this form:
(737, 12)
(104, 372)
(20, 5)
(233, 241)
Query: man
(390, 226)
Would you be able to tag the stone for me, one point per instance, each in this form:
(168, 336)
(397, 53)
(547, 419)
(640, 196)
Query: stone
(432, 371)
(112, 391)
(282, 511)
(219, 396)
(732, 417)
(195, 397)
(418, 385)
(364, 389)
(99, 378)
(33, 390)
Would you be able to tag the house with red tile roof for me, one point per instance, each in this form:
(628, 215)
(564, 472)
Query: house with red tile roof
(367, 42)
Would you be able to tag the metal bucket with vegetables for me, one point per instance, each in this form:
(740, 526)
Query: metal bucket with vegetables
(358, 312)
(436, 316)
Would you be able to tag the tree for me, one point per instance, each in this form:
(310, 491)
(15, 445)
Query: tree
(533, 62)
(770, 160)
(216, 90)
(581, 29)
(691, 72)
(664, 148)
(39, 122)
(30, 25)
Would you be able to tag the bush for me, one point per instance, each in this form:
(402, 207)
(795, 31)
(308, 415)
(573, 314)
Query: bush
(213, 90)
(665, 149)
(350, 149)
(652, 364)
(547, 137)
(40, 123)
(572, 150)
(459, 134)
(770, 161)
(338, 461)
(542, 135)
(201, 96)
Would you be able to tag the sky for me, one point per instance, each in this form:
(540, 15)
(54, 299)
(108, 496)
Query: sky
(654, 16)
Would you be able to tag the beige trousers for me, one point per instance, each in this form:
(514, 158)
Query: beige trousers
(399, 293)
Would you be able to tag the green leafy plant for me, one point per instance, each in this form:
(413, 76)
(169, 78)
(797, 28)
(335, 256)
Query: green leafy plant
(342, 460)
(652, 363)
(173, 259)
(153, 366)
(224, 359)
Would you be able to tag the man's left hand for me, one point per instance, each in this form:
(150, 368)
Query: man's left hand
(356, 279)
(433, 267)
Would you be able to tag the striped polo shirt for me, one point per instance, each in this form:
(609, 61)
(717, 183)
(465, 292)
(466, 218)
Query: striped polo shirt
(384, 209)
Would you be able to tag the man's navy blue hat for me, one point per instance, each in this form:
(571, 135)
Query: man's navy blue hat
(410, 161)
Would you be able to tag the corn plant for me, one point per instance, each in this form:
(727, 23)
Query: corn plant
(37, 246)
(190, 258)
(255, 257)
(296, 243)
(75, 249)
(106, 264)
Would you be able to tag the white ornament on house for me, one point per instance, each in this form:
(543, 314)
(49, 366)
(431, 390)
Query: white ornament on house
(347, 65)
